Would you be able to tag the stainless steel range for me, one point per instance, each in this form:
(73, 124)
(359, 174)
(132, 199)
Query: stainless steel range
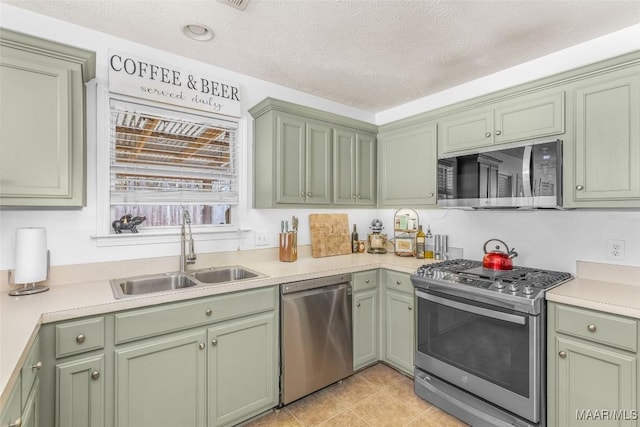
(480, 341)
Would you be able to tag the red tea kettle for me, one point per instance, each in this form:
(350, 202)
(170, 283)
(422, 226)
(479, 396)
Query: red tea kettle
(497, 259)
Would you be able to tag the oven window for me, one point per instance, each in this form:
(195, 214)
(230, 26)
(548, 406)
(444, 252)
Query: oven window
(492, 349)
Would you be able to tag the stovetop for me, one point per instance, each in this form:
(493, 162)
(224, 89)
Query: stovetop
(519, 286)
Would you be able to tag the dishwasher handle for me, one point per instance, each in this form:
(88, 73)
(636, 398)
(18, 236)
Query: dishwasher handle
(321, 282)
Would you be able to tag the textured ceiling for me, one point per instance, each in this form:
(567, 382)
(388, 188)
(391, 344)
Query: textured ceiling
(372, 55)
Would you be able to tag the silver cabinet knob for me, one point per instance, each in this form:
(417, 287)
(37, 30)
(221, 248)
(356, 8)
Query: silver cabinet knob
(359, 196)
(37, 366)
(95, 375)
(431, 194)
(357, 304)
(353, 196)
(498, 132)
(16, 423)
(366, 281)
(201, 346)
(302, 194)
(214, 342)
(562, 354)
(309, 194)
(80, 339)
(398, 282)
(410, 308)
(579, 187)
(591, 328)
(209, 312)
(488, 134)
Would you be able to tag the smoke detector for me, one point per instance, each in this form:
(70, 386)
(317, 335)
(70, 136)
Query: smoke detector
(238, 4)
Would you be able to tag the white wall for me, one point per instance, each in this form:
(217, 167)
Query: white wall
(545, 239)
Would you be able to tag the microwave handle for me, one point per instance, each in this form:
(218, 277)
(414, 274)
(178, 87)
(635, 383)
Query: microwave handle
(526, 171)
(507, 317)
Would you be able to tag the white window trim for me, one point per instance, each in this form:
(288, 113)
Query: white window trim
(103, 235)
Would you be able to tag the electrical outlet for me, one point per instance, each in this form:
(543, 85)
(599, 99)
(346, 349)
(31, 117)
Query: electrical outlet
(262, 238)
(615, 250)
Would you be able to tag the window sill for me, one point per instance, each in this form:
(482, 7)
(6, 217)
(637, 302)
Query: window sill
(145, 237)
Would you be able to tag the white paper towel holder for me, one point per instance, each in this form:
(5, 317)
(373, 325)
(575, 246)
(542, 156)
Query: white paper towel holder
(33, 264)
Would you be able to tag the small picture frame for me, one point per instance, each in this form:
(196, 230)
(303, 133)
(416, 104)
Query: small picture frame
(404, 246)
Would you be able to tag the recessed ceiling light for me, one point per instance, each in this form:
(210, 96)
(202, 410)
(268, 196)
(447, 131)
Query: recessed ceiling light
(198, 32)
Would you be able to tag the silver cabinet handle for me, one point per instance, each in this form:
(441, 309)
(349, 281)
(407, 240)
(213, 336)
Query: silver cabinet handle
(488, 134)
(359, 196)
(591, 328)
(366, 281)
(357, 304)
(410, 308)
(398, 282)
(16, 423)
(309, 194)
(579, 187)
(201, 346)
(430, 194)
(353, 196)
(214, 342)
(302, 194)
(80, 339)
(209, 312)
(562, 354)
(498, 132)
(37, 366)
(95, 375)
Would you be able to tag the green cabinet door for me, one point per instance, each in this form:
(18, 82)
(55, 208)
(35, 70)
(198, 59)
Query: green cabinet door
(11, 413)
(42, 121)
(80, 397)
(399, 325)
(467, 130)
(365, 328)
(592, 378)
(243, 369)
(162, 382)
(31, 411)
(408, 166)
(318, 163)
(354, 166)
(607, 142)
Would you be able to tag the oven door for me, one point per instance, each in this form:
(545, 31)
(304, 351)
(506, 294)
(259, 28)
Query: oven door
(488, 351)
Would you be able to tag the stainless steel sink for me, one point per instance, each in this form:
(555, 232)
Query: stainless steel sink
(150, 284)
(173, 281)
(223, 274)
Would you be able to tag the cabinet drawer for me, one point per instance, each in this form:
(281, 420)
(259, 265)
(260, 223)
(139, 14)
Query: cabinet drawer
(364, 280)
(79, 337)
(30, 370)
(154, 321)
(603, 328)
(397, 281)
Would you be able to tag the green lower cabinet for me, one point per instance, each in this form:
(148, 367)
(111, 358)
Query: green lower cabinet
(590, 380)
(80, 392)
(399, 330)
(162, 382)
(243, 369)
(11, 414)
(365, 328)
(31, 411)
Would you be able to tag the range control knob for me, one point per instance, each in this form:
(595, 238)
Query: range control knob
(513, 287)
(528, 290)
(498, 284)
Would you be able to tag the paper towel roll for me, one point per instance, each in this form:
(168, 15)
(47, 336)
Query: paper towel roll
(31, 255)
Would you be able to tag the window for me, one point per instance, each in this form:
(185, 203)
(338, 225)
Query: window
(163, 160)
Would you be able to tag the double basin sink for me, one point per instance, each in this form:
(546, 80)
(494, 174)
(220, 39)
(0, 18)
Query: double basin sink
(172, 281)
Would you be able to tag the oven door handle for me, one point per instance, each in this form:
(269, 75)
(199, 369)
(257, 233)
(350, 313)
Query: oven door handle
(507, 317)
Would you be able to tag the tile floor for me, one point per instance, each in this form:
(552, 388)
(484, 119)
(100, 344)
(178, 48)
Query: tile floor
(376, 396)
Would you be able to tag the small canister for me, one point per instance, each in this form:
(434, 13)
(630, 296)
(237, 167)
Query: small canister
(437, 247)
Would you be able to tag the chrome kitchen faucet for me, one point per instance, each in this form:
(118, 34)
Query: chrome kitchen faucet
(185, 258)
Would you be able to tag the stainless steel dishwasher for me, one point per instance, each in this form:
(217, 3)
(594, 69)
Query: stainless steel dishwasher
(315, 325)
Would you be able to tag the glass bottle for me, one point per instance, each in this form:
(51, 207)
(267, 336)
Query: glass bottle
(420, 243)
(354, 240)
(429, 244)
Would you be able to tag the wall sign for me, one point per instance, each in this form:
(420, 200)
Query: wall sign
(141, 78)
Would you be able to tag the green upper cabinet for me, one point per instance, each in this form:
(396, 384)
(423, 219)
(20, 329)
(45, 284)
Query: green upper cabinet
(294, 160)
(529, 116)
(603, 167)
(408, 166)
(303, 161)
(42, 121)
(354, 166)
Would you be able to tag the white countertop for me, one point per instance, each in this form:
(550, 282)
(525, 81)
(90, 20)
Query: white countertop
(21, 317)
(604, 287)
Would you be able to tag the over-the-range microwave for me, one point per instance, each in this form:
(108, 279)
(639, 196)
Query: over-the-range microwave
(526, 176)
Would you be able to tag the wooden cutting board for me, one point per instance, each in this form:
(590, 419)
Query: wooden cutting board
(329, 235)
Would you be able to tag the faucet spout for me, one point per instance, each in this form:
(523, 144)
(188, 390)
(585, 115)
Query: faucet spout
(186, 256)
